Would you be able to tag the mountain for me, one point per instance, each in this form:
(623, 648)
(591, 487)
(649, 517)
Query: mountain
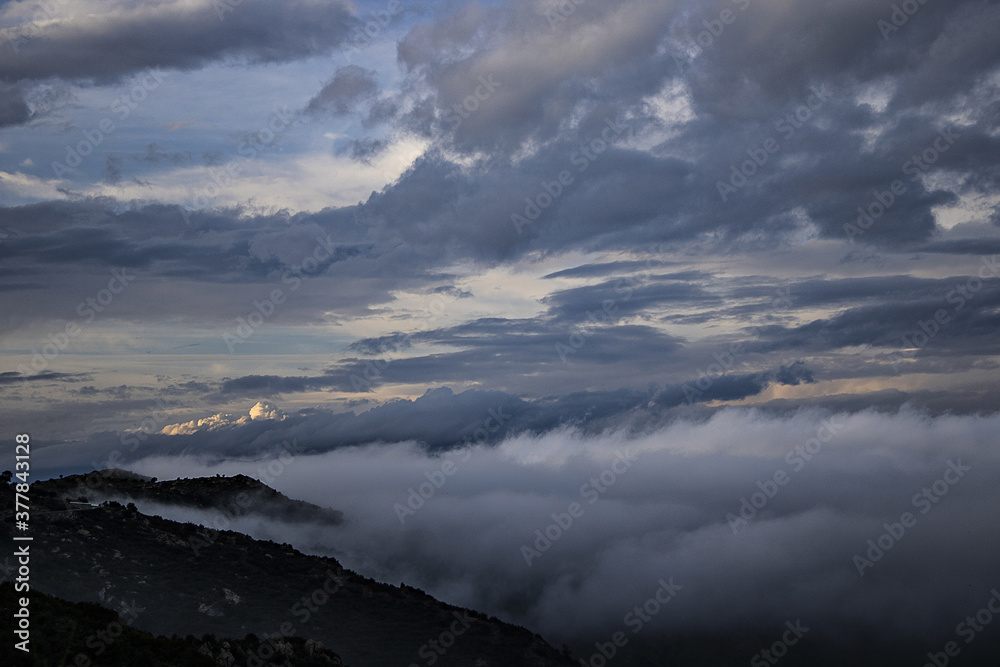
(234, 496)
(170, 578)
(82, 634)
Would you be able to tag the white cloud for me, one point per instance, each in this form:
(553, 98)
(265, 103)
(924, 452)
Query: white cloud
(260, 411)
(666, 515)
(25, 188)
(304, 182)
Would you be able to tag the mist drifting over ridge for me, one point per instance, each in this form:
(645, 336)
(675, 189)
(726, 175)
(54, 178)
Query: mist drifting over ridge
(677, 511)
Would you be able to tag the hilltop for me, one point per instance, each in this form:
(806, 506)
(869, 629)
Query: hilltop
(238, 495)
(181, 579)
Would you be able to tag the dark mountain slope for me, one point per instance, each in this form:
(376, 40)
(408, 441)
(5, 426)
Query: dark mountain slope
(237, 496)
(178, 578)
(83, 634)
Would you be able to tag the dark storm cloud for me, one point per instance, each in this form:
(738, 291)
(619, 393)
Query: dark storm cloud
(880, 312)
(795, 374)
(364, 150)
(15, 377)
(981, 246)
(516, 345)
(122, 392)
(456, 292)
(107, 246)
(381, 344)
(13, 108)
(272, 385)
(833, 292)
(212, 270)
(624, 197)
(494, 350)
(596, 409)
(123, 39)
(217, 246)
(823, 166)
(549, 92)
(186, 388)
(154, 155)
(963, 322)
(380, 111)
(612, 268)
(349, 86)
(976, 399)
(794, 45)
(526, 100)
(440, 419)
(625, 297)
(157, 154)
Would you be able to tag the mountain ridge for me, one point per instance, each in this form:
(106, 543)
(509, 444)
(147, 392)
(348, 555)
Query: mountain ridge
(189, 580)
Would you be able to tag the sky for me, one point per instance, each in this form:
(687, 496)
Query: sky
(540, 230)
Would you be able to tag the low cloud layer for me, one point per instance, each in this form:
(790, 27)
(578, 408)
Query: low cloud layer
(818, 486)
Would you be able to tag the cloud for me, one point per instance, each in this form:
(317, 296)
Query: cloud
(25, 187)
(639, 292)
(13, 107)
(795, 374)
(364, 150)
(665, 515)
(15, 377)
(259, 412)
(110, 41)
(350, 85)
(171, 34)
